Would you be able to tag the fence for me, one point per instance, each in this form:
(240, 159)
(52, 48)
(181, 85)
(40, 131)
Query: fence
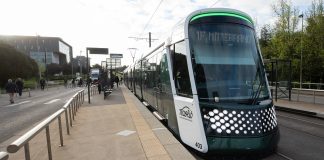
(70, 109)
(313, 92)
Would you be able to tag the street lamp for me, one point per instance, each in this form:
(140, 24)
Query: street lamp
(132, 53)
(301, 52)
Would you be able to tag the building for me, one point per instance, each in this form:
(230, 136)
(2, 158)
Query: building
(53, 48)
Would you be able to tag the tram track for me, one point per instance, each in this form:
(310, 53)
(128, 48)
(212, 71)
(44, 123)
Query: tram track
(303, 120)
(283, 156)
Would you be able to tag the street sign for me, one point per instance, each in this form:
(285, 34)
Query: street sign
(115, 55)
(98, 50)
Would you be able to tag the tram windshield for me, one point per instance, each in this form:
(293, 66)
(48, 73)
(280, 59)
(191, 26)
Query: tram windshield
(226, 63)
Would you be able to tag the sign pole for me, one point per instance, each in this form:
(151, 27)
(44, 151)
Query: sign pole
(88, 76)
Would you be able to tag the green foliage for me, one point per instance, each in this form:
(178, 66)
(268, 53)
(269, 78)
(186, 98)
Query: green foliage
(286, 41)
(15, 64)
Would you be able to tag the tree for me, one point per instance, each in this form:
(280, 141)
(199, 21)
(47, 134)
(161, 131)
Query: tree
(285, 27)
(313, 52)
(15, 64)
(54, 68)
(96, 66)
(265, 41)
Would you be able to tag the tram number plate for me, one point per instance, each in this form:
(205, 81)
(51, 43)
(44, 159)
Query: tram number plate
(198, 145)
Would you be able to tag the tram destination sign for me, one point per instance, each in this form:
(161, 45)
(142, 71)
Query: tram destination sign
(116, 55)
(98, 50)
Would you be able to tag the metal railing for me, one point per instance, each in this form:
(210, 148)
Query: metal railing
(70, 109)
(93, 90)
(4, 156)
(308, 85)
(309, 92)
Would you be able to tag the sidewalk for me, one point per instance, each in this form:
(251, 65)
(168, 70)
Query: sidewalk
(311, 109)
(119, 127)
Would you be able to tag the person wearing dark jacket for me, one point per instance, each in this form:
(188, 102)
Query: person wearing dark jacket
(117, 80)
(42, 83)
(20, 86)
(11, 89)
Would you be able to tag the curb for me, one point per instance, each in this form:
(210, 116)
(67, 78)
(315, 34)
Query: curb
(300, 112)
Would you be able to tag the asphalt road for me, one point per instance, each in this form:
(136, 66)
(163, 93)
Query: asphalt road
(27, 111)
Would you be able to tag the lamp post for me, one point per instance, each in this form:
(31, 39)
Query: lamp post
(301, 52)
(80, 64)
(132, 53)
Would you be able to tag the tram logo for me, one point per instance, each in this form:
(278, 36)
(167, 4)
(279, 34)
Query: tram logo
(186, 113)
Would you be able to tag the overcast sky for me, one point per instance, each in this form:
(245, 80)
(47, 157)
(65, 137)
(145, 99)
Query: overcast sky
(108, 23)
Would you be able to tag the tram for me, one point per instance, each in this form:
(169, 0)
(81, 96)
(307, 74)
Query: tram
(208, 82)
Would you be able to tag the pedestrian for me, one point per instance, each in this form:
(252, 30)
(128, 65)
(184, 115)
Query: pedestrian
(65, 82)
(20, 86)
(80, 82)
(42, 83)
(73, 82)
(99, 86)
(117, 80)
(11, 89)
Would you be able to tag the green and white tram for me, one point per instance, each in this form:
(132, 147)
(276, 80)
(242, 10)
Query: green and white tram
(208, 82)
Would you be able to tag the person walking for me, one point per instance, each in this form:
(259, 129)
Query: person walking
(73, 82)
(42, 83)
(99, 86)
(117, 80)
(20, 86)
(11, 89)
(65, 82)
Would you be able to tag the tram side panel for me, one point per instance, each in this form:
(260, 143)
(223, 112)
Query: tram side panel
(138, 80)
(149, 81)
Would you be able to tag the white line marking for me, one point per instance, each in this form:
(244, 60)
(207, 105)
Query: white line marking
(17, 103)
(52, 101)
(125, 133)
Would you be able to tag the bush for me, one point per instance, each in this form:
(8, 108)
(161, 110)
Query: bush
(15, 64)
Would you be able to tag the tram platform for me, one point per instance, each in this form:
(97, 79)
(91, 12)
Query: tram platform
(306, 108)
(118, 127)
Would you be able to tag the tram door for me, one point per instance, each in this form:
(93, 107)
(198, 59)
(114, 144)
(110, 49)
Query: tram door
(153, 81)
(159, 91)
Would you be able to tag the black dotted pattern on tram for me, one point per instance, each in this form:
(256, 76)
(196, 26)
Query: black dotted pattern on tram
(244, 122)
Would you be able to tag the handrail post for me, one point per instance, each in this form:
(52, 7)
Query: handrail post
(67, 121)
(48, 139)
(70, 114)
(74, 105)
(27, 153)
(60, 129)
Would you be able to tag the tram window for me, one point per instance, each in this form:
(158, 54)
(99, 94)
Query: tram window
(180, 70)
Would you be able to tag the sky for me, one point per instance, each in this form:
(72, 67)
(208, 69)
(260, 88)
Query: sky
(109, 24)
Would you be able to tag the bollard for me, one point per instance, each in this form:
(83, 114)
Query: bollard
(28, 92)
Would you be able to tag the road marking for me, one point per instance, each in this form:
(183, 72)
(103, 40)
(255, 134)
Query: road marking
(17, 103)
(125, 133)
(52, 101)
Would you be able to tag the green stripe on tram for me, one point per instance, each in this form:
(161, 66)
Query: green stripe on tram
(220, 14)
